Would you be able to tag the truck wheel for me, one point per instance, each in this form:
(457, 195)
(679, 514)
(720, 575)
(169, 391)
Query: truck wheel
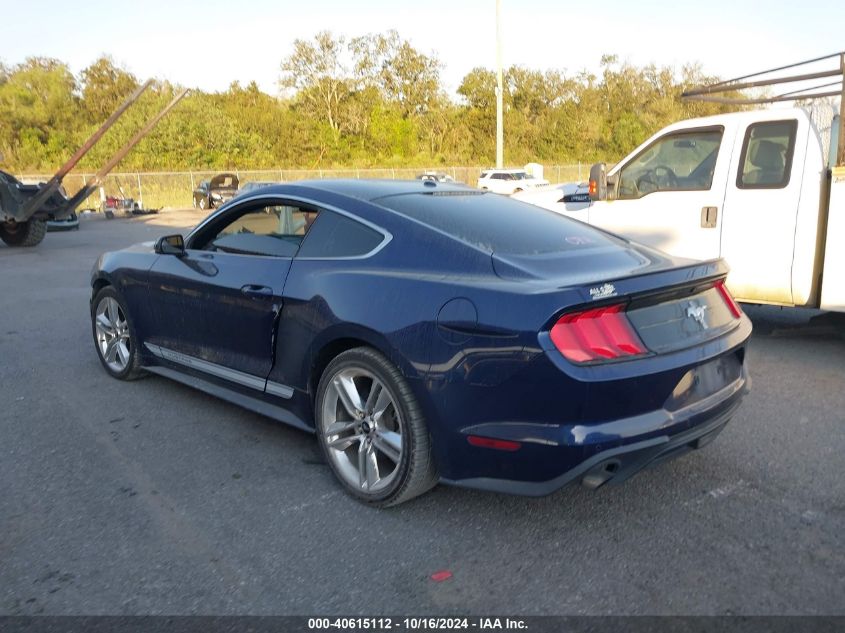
(27, 233)
(202, 204)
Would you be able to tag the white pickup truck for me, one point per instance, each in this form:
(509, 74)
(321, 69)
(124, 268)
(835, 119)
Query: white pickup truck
(752, 187)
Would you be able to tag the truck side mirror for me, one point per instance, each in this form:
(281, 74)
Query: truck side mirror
(171, 245)
(598, 182)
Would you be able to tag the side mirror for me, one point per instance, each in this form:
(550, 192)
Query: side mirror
(598, 182)
(171, 245)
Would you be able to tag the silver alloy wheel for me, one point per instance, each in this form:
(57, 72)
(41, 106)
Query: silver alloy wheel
(362, 427)
(112, 334)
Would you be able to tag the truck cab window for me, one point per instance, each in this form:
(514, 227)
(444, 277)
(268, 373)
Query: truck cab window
(766, 159)
(680, 161)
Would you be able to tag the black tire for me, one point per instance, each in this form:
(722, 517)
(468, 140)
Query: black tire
(202, 204)
(29, 233)
(133, 370)
(194, 201)
(416, 472)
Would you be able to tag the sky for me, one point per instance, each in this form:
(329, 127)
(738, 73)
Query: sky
(209, 44)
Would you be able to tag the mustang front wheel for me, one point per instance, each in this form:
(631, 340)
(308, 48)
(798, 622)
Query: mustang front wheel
(371, 429)
(114, 336)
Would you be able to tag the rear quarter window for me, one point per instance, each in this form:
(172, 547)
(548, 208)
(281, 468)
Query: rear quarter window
(497, 224)
(335, 235)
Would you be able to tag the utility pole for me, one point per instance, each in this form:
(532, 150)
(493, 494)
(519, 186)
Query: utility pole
(500, 89)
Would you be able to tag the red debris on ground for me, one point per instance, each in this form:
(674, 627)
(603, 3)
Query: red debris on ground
(440, 576)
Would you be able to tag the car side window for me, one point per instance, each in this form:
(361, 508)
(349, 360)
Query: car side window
(264, 230)
(680, 161)
(335, 235)
(766, 159)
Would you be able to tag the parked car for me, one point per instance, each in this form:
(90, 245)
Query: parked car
(430, 332)
(509, 181)
(69, 223)
(436, 176)
(219, 190)
(255, 184)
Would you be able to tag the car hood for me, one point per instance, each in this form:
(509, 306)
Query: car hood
(140, 247)
(224, 183)
(570, 194)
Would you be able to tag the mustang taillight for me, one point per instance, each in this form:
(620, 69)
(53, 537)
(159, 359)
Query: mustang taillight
(733, 306)
(597, 334)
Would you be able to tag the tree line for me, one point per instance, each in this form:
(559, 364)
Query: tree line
(368, 101)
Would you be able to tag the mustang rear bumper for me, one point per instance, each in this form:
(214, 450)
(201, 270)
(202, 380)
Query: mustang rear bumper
(639, 442)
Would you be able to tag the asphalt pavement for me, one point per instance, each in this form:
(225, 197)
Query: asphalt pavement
(151, 498)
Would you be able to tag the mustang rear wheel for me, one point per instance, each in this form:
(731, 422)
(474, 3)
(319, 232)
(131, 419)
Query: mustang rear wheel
(371, 429)
(114, 336)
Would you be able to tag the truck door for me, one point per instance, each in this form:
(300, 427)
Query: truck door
(761, 208)
(670, 194)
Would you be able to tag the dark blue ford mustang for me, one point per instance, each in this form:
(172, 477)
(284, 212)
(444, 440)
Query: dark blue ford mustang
(429, 332)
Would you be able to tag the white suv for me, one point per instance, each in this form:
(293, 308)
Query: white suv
(508, 181)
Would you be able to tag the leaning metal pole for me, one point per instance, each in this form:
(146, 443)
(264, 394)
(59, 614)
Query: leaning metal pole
(97, 178)
(53, 184)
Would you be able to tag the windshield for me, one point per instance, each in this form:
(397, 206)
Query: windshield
(681, 161)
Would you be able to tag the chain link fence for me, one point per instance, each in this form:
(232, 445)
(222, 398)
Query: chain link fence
(155, 190)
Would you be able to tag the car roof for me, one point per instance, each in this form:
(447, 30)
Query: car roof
(368, 190)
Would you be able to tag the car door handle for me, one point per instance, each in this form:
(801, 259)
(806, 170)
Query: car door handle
(257, 292)
(709, 217)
